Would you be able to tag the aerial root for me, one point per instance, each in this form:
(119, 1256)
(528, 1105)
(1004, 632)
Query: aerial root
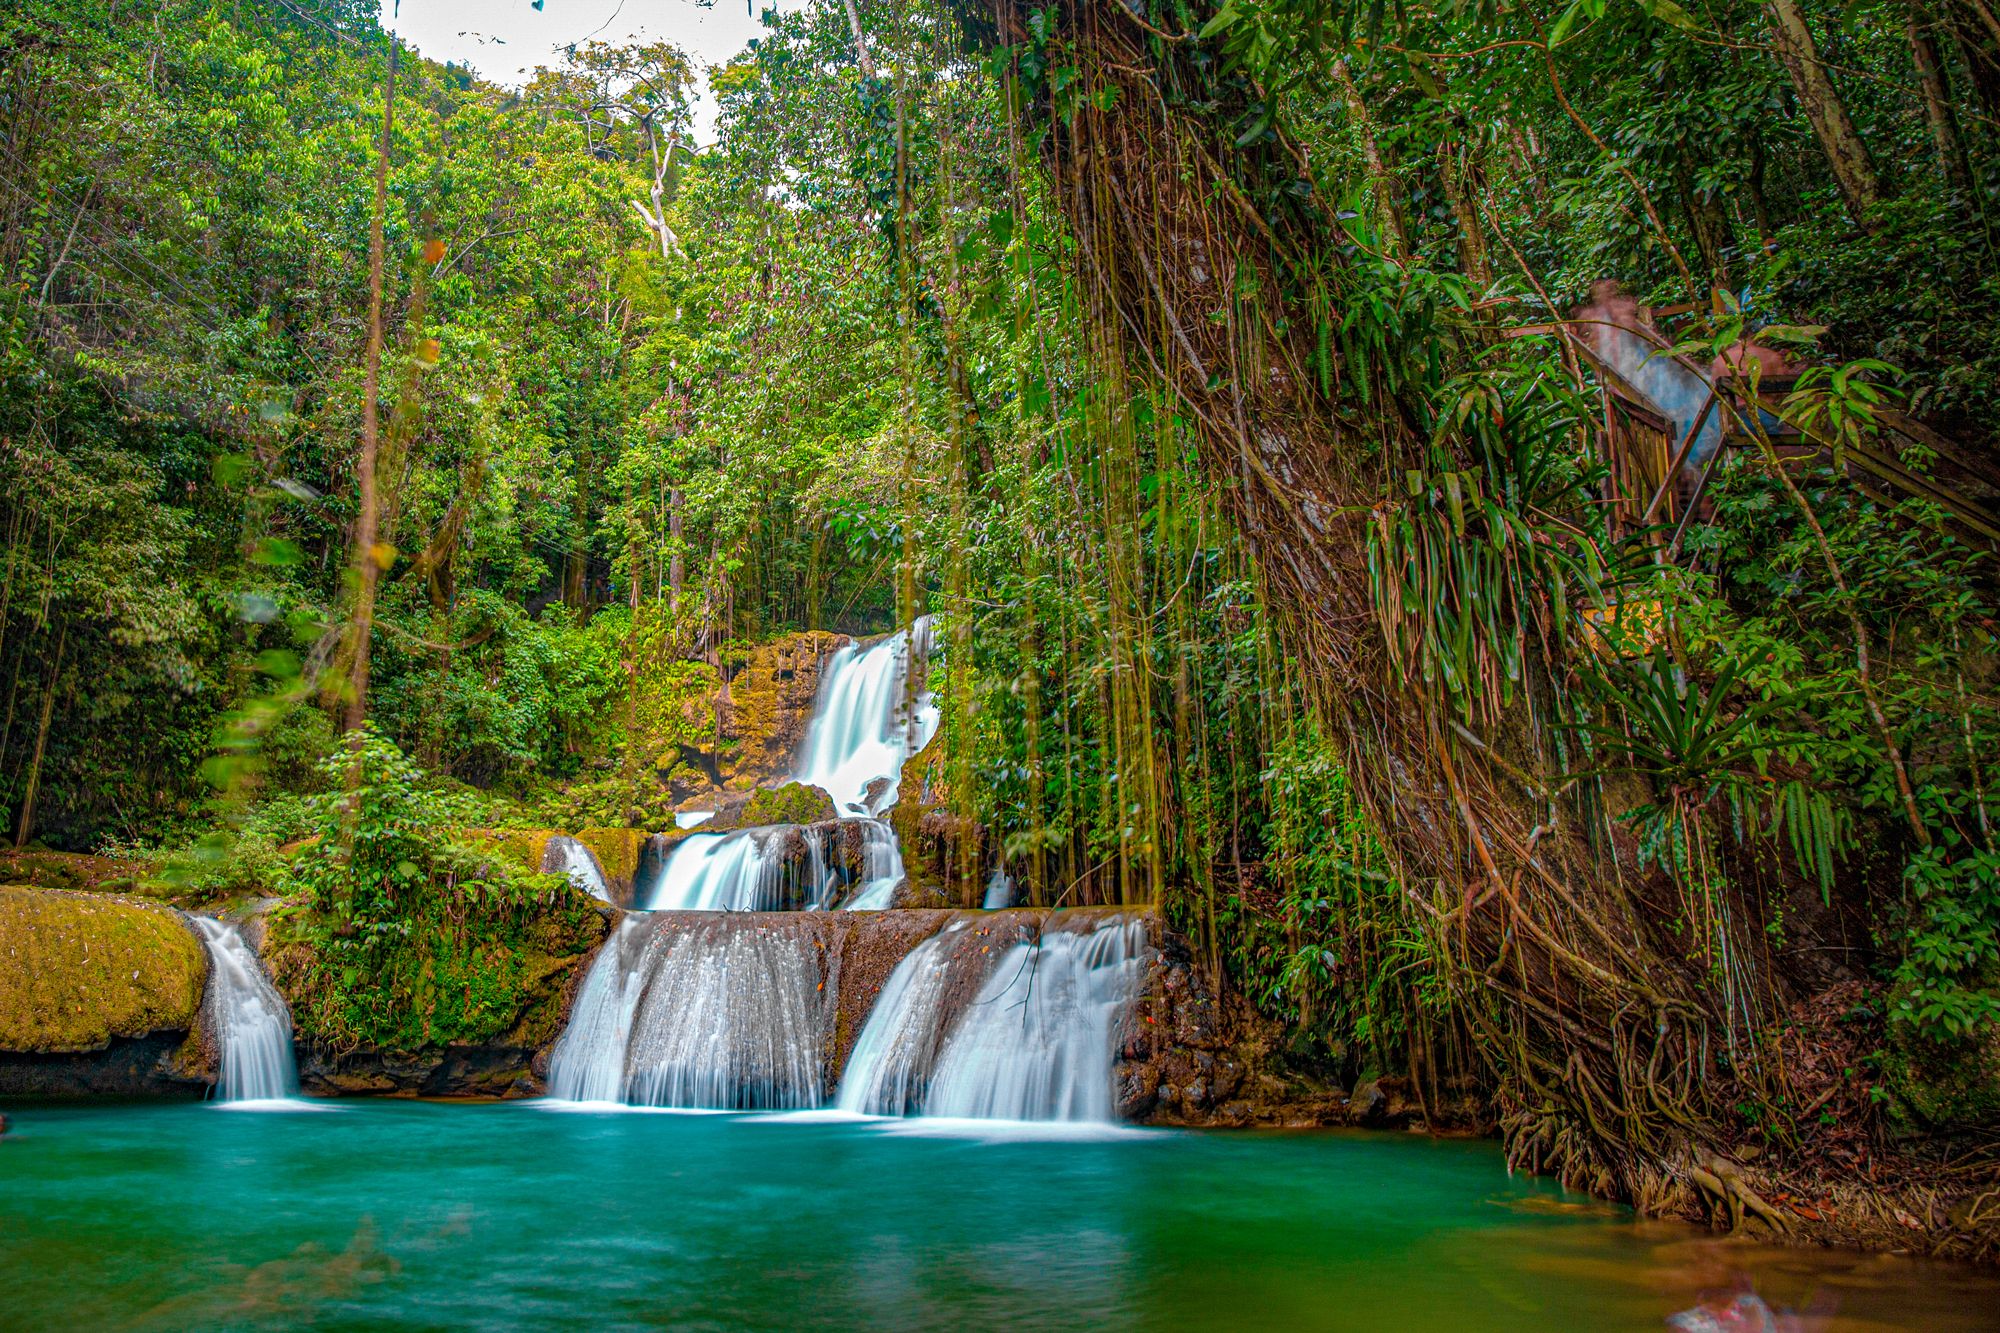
(1722, 1183)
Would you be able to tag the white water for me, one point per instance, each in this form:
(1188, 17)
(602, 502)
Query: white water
(714, 872)
(713, 1015)
(999, 890)
(692, 818)
(890, 1065)
(1038, 1043)
(248, 1019)
(881, 868)
(868, 720)
(565, 855)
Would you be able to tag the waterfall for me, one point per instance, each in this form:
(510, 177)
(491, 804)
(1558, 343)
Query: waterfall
(999, 890)
(745, 870)
(881, 867)
(713, 872)
(890, 1065)
(863, 727)
(819, 883)
(1037, 1042)
(248, 1019)
(680, 1012)
(565, 855)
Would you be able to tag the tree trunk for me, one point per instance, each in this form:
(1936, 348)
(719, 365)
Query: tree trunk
(368, 560)
(26, 827)
(676, 573)
(1853, 172)
(1937, 102)
(1572, 980)
(1396, 238)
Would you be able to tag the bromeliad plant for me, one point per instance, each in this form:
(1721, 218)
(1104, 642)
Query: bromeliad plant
(1473, 560)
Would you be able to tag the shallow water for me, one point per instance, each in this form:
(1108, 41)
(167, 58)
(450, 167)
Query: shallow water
(412, 1215)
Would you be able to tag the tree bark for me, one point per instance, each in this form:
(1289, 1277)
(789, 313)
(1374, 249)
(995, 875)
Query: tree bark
(1938, 111)
(1853, 171)
(676, 571)
(861, 55)
(1571, 979)
(1395, 235)
(367, 555)
(26, 827)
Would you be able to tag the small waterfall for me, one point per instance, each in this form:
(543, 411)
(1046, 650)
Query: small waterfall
(719, 1014)
(685, 819)
(1036, 1043)
(863, 727)
(999, 890)
(566, 856)
(745, 870)
(713, 872)
(247, 1018)
(819, 883)
(890, 1065)
(881, 867)
(1039, 1041)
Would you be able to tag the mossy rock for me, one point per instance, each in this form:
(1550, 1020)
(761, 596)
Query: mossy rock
(79, 969)
(617, 852)
(793, 803)
(1941, 1088)
(770, 702)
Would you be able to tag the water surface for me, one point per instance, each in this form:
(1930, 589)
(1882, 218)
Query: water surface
(411, 1215)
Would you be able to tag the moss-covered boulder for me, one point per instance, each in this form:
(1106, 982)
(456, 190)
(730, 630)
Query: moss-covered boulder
(943, 852)
(768, 704)
(617, 852)
(80, 969)
(793, 803)
(98, 994)
(459, 1007)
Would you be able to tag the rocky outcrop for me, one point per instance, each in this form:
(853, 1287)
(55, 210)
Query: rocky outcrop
(98, 993)
(768, 704)
(1192, 1057)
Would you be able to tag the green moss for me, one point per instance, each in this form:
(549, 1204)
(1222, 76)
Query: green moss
(1940, 1087)
(793, 803)
(77, 969)
(454, 979)
(617, 851)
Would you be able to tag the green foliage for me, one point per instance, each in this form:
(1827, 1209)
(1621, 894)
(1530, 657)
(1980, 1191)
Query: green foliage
(397, 936)
(1335, 957)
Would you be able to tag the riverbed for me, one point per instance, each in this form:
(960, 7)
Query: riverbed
(372, 1214)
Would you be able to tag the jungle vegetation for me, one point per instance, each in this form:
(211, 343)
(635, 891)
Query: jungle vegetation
(1201, 367)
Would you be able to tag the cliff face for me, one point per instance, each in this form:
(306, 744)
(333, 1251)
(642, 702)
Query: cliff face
(98, 993)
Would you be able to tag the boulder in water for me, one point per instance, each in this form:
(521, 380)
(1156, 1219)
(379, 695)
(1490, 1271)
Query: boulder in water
(98, 993)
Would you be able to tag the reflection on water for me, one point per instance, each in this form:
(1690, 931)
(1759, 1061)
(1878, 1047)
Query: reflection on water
(409, 1215)
(293, 1289)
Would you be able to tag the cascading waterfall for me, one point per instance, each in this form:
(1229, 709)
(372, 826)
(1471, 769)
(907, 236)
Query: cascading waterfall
(1037, 1043)
(867, 721)
(566, 856)
(713, 872)
(890, 1065)
(683, 1012)
(999, 890)
(745, 870)
(881, 868)
(248, 1020)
